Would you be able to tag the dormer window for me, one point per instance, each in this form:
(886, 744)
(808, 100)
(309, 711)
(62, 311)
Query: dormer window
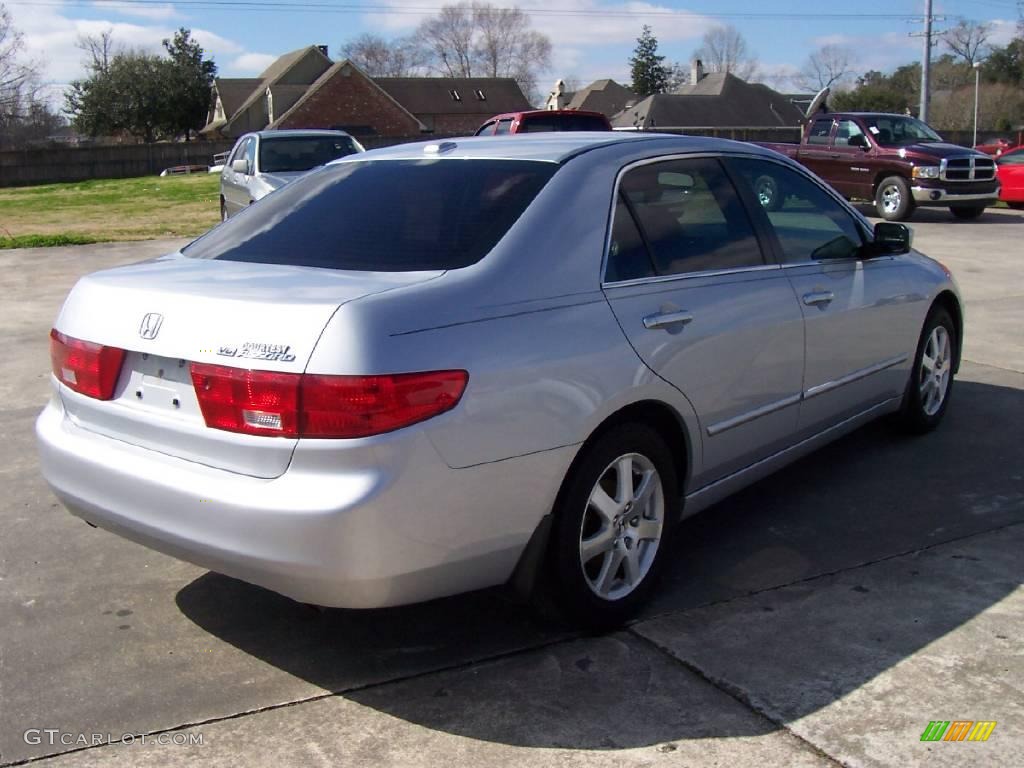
(455, 95)
(480, 95)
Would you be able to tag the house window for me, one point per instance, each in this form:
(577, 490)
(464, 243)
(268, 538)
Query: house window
(480, 95)
(455, 95)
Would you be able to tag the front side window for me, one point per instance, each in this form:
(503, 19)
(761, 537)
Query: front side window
(820, 131)
(382, 216)
(485, 130)
(849, 134)
(282, 154)
(689, 216)
(503, 127)
(808, 222)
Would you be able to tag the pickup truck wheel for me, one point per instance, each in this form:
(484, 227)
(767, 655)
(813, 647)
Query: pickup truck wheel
(893, 200)
(766, 188)
(967, 212)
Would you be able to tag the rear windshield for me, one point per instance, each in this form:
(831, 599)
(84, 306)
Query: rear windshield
(545, 123)
(300, 153)
(382, 216)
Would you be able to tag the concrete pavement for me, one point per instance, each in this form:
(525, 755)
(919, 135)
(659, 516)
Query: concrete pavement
(822, 617)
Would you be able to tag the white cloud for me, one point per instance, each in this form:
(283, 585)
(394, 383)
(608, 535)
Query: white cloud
(252, 63)
(157, 12)
(51, 34)
(1003, 31)
(578, 27)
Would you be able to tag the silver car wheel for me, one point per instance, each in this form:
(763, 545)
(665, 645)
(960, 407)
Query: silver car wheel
(936, 367)
(892, 198)
(622, 526)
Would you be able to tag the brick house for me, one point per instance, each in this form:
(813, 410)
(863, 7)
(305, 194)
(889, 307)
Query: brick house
(305, 89)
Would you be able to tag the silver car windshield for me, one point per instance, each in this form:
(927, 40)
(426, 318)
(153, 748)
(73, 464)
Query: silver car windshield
(282, 154)
(382, 215)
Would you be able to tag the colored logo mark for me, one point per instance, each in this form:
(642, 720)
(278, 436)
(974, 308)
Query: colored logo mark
(958, 730)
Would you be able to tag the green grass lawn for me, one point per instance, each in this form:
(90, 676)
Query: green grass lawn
(109, 209)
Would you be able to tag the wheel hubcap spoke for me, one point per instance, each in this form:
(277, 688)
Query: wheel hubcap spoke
(935, 370)
(619, 536)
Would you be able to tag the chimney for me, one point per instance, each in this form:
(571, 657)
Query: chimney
(696, 72)
(323, 50)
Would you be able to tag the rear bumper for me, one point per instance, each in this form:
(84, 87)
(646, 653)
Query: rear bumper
(940, 196)
(351, 524)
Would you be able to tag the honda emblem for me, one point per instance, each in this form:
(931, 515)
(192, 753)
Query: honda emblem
(150, 326)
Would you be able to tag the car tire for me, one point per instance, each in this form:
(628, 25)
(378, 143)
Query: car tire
(609, 535)
(1017, 206)
(768, 193)
(967, 212)
(930, 385)
(893, 200)
(223, 210)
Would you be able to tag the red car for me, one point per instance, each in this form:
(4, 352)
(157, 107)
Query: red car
(1010, 171)
(995, 147)
(542, 120)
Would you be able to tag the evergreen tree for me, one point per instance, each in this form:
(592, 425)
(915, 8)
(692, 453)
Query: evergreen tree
(650, 75)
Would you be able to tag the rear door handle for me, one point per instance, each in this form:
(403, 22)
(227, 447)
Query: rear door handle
(818, 297)
(664, 319)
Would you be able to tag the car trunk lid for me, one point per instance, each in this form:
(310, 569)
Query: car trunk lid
(174, 311)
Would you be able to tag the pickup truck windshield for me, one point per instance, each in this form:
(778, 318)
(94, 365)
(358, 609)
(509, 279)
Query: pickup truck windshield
(896, 131)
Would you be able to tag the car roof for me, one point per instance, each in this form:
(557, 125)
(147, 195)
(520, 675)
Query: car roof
(554, 147)
(297, 132)
(545, 113)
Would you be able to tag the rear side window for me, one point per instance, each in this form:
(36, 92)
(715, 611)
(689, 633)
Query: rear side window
(690, 218)
(820, 131)
(382, 216)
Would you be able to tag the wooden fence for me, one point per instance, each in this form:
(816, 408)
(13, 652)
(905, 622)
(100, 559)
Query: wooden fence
(57, 164)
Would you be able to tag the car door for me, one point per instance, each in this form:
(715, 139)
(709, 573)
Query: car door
(687, 280)
(1010, 168)
(233, 182)
(859, 319)
(816, 151)
(850, 173)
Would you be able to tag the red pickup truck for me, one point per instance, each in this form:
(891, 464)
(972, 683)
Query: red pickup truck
(895, 161)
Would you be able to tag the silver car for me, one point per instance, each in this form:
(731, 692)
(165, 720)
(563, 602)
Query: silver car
(441, 367)
(264, 161)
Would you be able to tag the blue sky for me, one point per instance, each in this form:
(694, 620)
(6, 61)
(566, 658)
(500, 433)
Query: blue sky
(593, 40)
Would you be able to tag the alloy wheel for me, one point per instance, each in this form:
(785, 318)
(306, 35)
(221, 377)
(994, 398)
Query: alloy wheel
(622, 526)
(936, 368)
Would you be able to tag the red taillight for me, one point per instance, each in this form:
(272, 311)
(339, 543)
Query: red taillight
(85, 366)
(314, 405)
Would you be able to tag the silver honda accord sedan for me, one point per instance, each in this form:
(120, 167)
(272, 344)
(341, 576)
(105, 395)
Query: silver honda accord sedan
(440, 367)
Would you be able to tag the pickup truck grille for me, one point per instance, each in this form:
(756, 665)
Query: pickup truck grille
(967, 168)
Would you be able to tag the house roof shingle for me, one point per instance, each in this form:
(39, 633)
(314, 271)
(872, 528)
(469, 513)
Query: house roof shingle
(433, 95)
(233, 91)
(605, 96)
(719, 100)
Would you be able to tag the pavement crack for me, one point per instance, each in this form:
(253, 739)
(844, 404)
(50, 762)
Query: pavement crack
(737, 694)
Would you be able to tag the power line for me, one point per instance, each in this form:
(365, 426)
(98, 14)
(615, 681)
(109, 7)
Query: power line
(347, 8)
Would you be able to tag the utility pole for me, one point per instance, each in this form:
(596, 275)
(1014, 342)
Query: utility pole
(926, 63)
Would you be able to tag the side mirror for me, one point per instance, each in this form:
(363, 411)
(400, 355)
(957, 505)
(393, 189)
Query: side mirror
(240, 166)
(859, 140)
(890, 239)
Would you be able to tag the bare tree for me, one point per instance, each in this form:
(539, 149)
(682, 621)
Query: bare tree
(968, 40)
(19, 78)
(724, 49)
(481, 40)
(385, 58)
(827, 67)
(99, 49)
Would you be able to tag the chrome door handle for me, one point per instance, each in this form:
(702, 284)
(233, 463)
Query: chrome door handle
(663, 319)
(818, 297)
